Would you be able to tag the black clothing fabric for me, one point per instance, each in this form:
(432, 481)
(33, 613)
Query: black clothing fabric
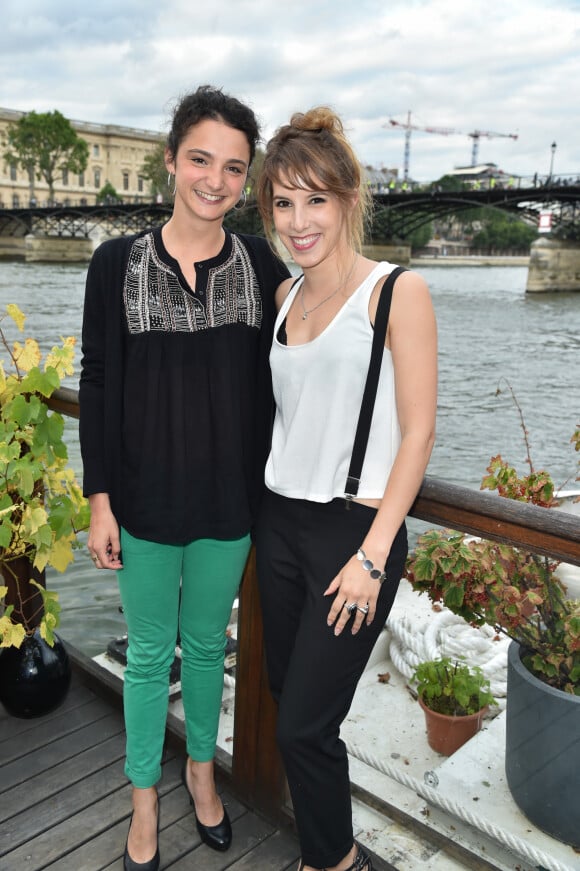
(175, 391)
(300, 547)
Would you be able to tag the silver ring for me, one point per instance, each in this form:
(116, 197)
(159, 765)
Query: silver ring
(351, 608)
(363, 609)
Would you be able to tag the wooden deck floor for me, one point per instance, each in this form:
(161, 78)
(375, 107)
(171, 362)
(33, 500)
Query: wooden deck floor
(65, 802)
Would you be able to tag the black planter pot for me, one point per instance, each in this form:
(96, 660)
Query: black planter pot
(34, 678)
(543, 751)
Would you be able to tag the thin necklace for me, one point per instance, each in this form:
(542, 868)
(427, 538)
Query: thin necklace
(306, 312)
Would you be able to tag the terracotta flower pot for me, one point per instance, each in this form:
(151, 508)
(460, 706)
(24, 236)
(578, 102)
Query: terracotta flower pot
(446, 734)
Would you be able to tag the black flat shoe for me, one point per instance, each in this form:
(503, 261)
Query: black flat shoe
(217, 837)
(152, 865)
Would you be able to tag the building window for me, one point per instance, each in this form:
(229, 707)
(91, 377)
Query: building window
(140, 184)
(97, 178)
(81, 179)
(96, 151)
(65, 176)
(15, 201)
(125, 181)
(83, 201)
(13, 174)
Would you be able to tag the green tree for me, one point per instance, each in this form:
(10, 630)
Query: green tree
(448, 183)
(255, 170)
(108, 194)
(44, 144)
(501, 232)
(155, 171)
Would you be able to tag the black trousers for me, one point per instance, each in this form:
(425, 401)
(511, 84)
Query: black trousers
(300, 547)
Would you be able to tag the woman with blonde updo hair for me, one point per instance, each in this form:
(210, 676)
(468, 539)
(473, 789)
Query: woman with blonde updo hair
(316, 140)
(331, 539)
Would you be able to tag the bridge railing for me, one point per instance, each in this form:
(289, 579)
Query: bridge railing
(257, 771)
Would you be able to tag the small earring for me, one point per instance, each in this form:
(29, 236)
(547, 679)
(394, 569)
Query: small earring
(243, 200)
(169, 177)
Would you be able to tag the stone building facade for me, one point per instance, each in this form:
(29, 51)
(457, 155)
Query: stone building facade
(116, 155)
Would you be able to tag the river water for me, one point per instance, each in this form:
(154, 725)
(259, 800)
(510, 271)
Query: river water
(490, 331)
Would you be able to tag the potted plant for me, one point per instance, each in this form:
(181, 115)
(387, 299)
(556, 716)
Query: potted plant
(515, 591)
(455, 698)
(519, 594)
(41, 510)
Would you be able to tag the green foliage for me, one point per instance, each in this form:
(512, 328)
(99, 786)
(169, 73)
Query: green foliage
(576, 442)
(449, 183)
(44, 144)
(255, 170)
(537, 487)
(155, 171)
(108, 194)
(41, 503)
(501, 232)
(512, 590)
(452, 688)
(516, 592)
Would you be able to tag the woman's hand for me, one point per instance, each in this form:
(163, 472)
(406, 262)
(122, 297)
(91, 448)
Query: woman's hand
(353, 586)
(104, 541)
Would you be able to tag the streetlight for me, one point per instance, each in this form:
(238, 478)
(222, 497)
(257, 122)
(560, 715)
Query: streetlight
(553, 147)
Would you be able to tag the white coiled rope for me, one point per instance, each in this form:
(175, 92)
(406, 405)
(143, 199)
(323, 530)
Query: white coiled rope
(417, 636)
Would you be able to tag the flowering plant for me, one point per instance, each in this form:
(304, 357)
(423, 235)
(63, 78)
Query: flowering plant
(41, 503)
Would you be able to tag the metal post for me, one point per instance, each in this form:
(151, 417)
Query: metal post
(553, 147)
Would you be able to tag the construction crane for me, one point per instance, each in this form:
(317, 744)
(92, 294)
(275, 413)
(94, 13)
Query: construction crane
(477, 134)
(442, 131)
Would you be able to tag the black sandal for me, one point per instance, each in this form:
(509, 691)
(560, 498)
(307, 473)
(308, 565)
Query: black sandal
(362, 861)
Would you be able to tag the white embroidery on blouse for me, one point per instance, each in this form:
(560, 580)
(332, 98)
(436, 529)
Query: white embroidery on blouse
(155, 300)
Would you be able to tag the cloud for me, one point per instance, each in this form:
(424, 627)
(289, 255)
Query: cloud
(490, 66)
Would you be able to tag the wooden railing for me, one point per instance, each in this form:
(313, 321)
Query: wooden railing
(256, 766)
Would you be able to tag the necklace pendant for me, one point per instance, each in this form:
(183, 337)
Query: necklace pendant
(304, 316)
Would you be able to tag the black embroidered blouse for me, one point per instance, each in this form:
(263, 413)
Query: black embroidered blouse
(176, 404)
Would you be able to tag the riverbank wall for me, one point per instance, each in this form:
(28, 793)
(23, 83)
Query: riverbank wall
(401, 254)
(46, 249)
(51, 249)
(467, 260)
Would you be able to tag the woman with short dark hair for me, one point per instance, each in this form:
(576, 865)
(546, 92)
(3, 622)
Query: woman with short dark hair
(175, 419)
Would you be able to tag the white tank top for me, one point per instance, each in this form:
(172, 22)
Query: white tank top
(318, 389)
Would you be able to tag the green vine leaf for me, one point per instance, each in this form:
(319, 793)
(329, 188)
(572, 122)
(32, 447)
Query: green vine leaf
(41, 503)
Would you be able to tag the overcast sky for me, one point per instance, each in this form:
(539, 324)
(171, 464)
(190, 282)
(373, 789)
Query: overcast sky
(503, 66)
